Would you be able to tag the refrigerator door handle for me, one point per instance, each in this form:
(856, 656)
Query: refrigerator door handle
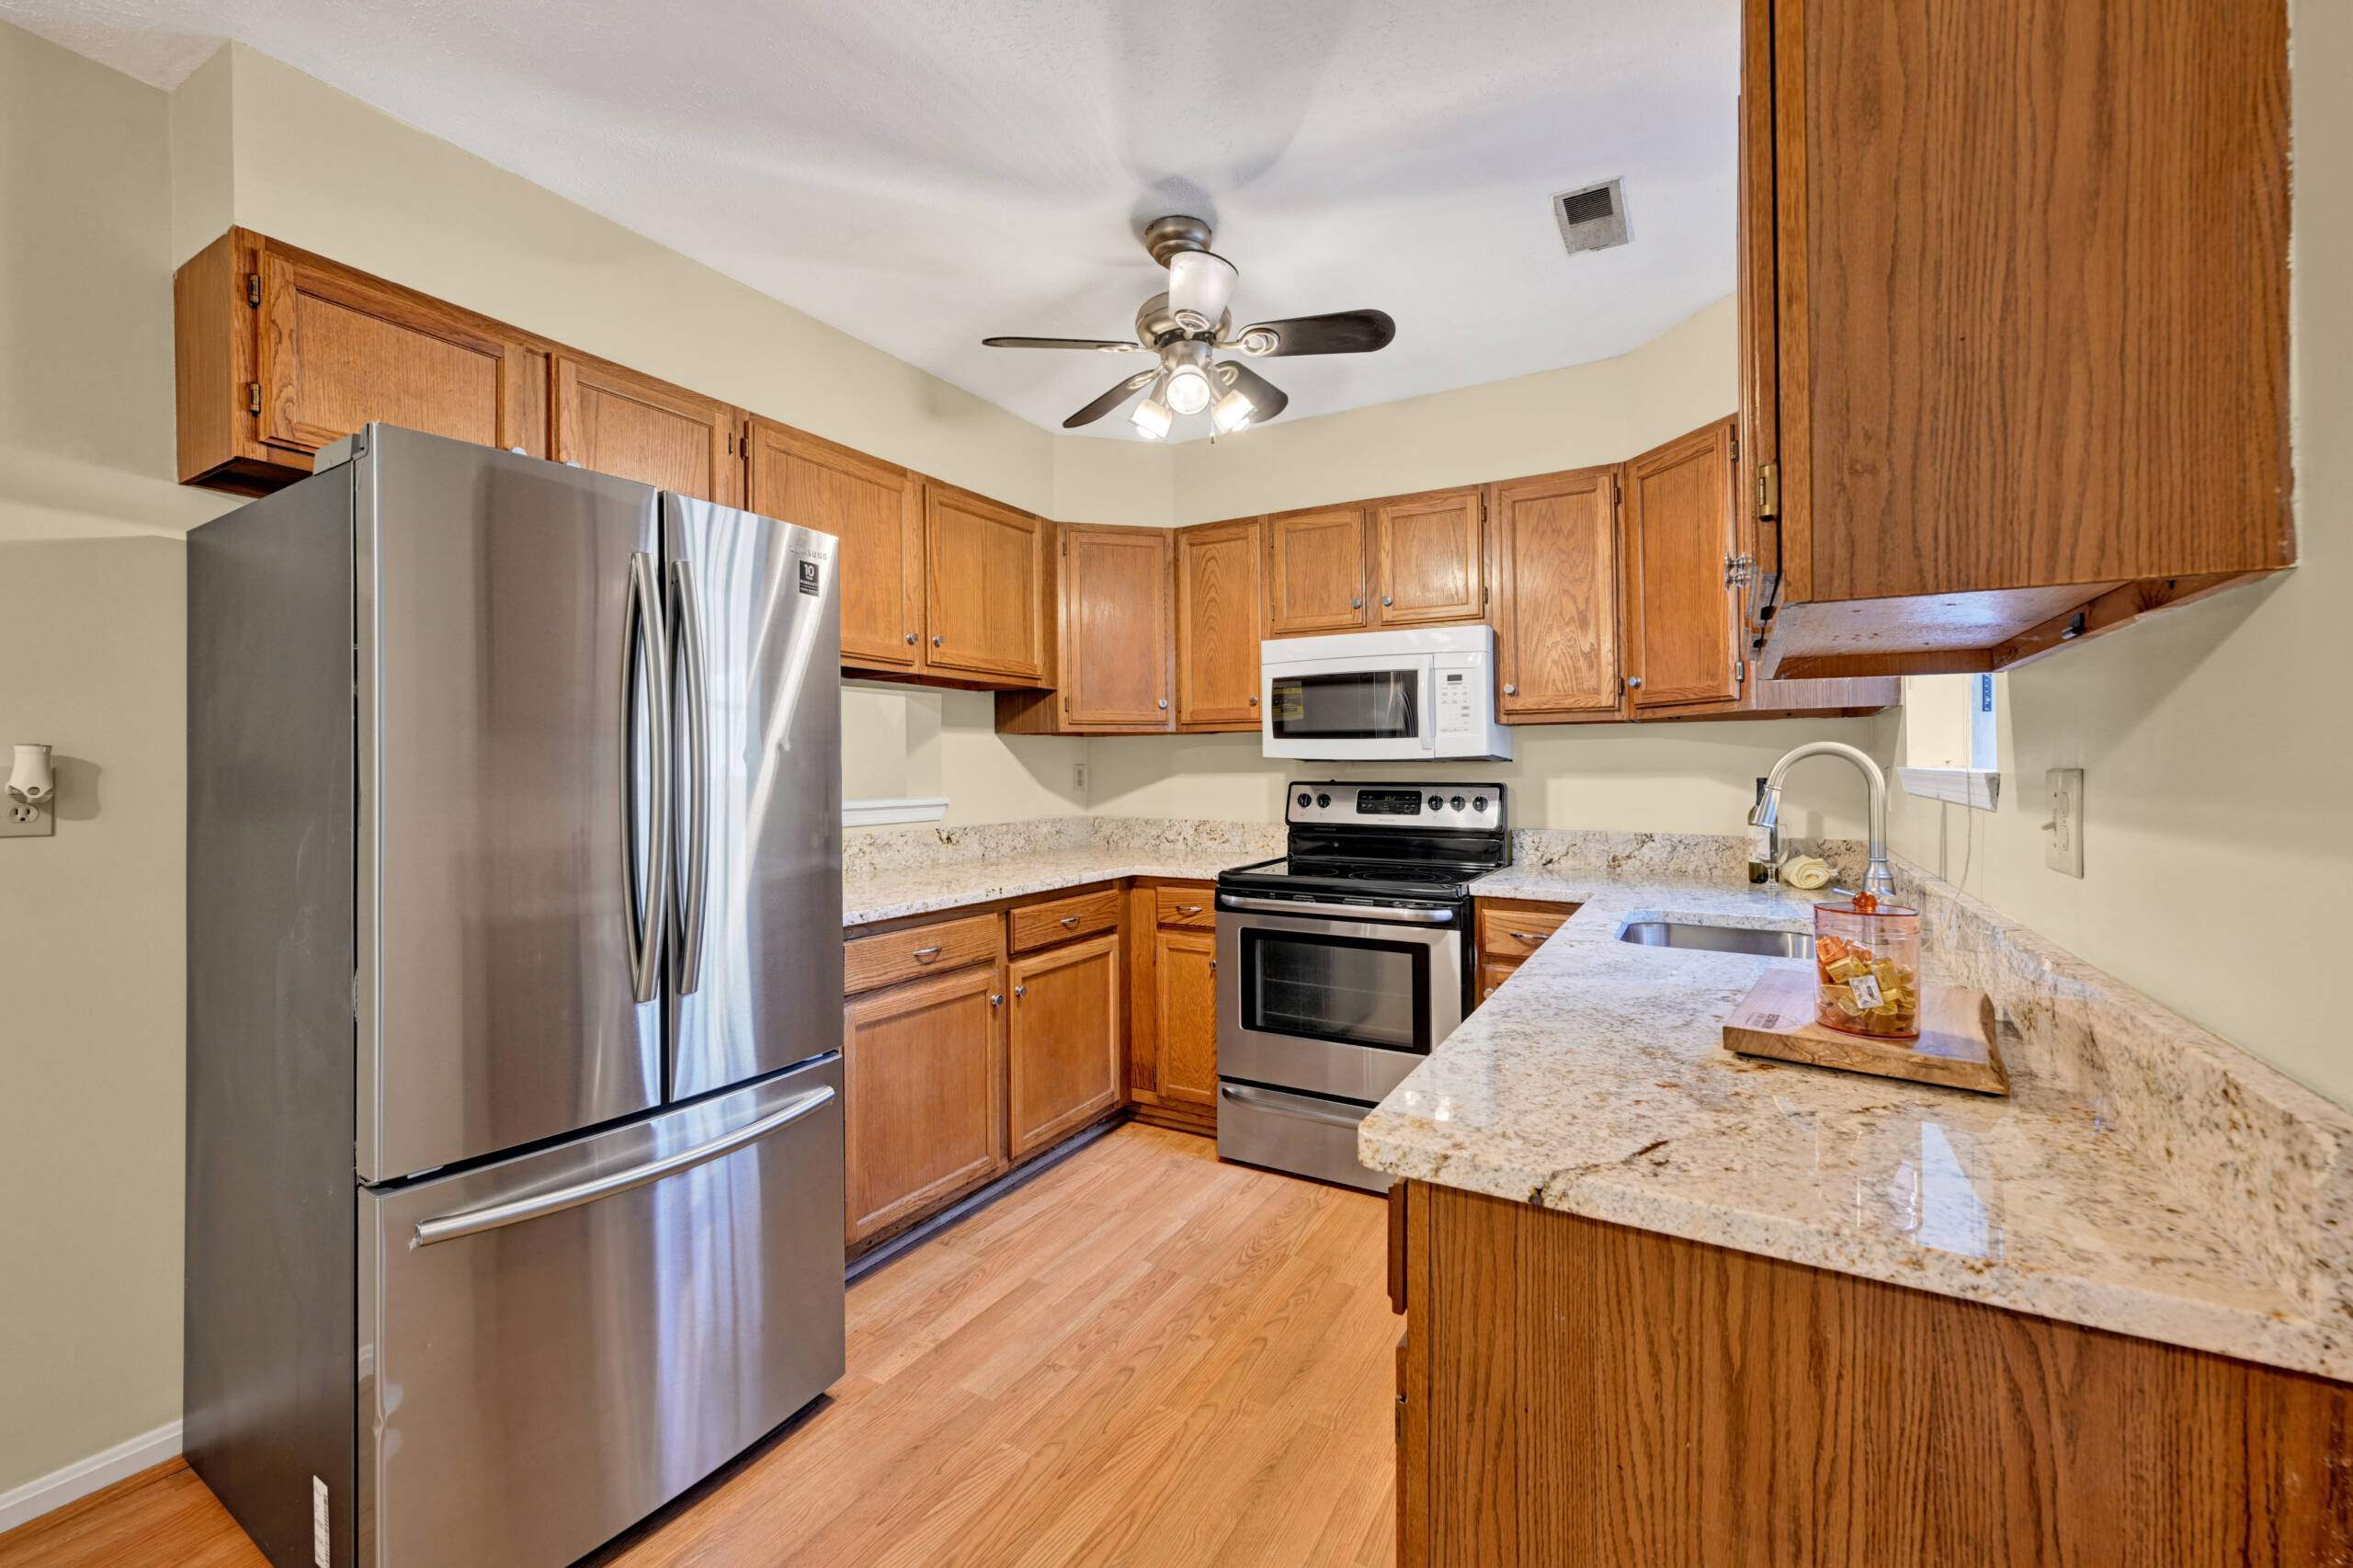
(692, 881)
(643, 636)
(514, 1212)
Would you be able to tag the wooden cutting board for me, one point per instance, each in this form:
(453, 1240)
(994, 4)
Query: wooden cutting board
(1955, 1049)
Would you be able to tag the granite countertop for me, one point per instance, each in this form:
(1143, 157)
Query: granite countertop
(1594, 1082)
(876, 896)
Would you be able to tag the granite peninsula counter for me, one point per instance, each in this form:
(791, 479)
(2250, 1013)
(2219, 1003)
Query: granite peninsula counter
(2143, 1177)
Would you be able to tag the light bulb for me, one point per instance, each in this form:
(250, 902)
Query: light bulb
(1188, 390)
(1200, 285)
(1151, 418)
(1231, 412)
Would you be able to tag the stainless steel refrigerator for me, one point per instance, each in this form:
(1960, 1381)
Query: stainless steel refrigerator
(513, 1131)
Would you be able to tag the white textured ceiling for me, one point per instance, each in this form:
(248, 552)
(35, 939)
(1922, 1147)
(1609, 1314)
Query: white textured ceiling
(922, 172)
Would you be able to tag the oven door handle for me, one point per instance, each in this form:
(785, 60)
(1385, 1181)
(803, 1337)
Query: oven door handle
(1287, 1104)
(1306, 910)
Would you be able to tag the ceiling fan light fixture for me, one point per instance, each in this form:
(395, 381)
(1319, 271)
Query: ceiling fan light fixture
(1232, 412)
(1151, 418)
(1199, 284)
(1189, 391)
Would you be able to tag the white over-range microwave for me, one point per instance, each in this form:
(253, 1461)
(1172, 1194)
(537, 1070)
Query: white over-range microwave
(1383, 696)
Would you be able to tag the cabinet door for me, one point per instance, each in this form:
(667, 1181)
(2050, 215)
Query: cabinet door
(1429, 554)
(1063, 1051)
(1680, 634)
(1220, 615)
(617, 422)
(923, 1094)
(1185, 972)
(1115, 642)
(1315, 571)
(873, 508)
(982, 567)
(1556, 607)
(338, 350)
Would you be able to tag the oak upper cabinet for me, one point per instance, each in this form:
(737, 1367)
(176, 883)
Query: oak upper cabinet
(984, 573)
(875, 509)
(1429, 559)
(923, 1094)
(1063, 1048)
(1316, 571)
(280, 352)
(2015, 312)
(615, 421)
(1556, 602)
(1221, 617)
(1113, 650)
(1680, 613)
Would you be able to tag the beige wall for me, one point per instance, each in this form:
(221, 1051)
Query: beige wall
(91, 920)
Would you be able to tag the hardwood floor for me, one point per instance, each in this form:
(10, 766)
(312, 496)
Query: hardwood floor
(1142, 1357)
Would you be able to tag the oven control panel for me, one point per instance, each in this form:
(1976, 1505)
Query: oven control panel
(1404, 806)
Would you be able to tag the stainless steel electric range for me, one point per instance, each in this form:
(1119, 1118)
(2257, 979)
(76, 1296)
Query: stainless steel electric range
(1341, 965)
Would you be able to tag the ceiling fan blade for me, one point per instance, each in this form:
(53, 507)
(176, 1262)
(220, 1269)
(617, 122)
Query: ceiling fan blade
(1111, 400)
(1341, 332)
(1266, 400)
(1100, 345)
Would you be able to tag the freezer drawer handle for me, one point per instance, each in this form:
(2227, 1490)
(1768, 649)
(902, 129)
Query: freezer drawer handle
(490, 1217)
(1285, 1105)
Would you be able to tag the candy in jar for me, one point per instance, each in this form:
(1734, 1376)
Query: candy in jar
(1866, 968)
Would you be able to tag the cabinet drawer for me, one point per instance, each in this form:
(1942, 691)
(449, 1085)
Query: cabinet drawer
(872, 961)
(1194, 908)
(1492, 973)
(1514, 933)
(1041, 924)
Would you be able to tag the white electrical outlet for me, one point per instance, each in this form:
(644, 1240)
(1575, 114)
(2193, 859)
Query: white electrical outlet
(2062, 829)
(1078, 776)
(18, 820)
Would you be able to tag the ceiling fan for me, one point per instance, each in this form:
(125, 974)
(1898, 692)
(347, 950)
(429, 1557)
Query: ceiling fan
(1187, 325)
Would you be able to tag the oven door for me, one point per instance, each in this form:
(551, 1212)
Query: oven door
(1368, 708)
(1331, 1004)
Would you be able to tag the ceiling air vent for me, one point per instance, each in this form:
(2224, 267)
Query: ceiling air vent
(1591, 219)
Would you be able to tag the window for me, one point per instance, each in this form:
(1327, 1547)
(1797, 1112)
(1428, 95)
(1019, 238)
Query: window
(1952, 738)
(889, 755)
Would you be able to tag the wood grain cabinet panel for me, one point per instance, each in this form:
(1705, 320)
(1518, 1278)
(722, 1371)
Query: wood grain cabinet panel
(1681, 634)
(1999, 374)
(870, 962)
(923, 1094)
(1115, 646)
(1557, 600)
(1065, 919)
(1221, 618)
(1063, 1042)
(616, 421)
(1184, 981)
(1429, 559)
(875, 509)
(984, 580)
(1316, 572)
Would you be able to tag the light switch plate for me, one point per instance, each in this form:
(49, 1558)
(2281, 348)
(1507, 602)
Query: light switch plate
(2062, 828)
(18, 820)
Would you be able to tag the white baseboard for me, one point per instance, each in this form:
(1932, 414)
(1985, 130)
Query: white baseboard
(83, 1477)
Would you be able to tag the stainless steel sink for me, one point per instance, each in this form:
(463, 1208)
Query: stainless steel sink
(1719, 939)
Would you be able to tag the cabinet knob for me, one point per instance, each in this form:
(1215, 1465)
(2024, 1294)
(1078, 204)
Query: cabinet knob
(1355, 604)
(1633, 680)
(1254, 702)
(1510, 690)
(935, 639)
(1163, 702)
(1387, 600)
(911, 638)
(1021, 991)
(1212, 966)
(996, 998)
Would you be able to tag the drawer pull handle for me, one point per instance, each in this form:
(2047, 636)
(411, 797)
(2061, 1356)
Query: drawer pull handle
(927, 952)
(1067, 920)
(1526, 935)
(1189, 909)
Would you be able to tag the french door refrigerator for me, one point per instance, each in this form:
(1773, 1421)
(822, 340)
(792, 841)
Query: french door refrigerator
(513, 1131)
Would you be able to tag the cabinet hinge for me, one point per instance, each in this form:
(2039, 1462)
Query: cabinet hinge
(253, 289)
(253, 397)
(1768, 491)
(1735, 451)
(1739, 671)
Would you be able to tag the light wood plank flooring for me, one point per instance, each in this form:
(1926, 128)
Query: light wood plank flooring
(1142, 1357)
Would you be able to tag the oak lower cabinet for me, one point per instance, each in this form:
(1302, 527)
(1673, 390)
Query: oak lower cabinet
(875, 509)
(1574, 1392)
(924, 1095)
(2000, 390)
(1510, 930)
(1063, 1043)
(616, 421)
(1173, 1005)
(1221, 618)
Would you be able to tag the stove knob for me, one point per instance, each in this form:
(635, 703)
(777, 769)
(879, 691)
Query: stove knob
(1322, 799)
(1436, 801)
(1456, 803)
(1478, 802)
(1304, 799)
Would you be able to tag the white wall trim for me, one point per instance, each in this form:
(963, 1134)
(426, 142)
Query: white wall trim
(881, 810)
(1979, 787)
(83, 1477)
